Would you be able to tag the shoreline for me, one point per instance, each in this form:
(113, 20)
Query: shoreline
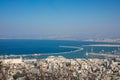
(77, 49)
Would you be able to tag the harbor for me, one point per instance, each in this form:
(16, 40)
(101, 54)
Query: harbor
(95, 66)
(34, 55)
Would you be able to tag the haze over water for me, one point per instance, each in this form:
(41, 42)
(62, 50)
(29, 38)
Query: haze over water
(59, 19)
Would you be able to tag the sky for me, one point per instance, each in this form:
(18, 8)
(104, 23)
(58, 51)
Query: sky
(59, 19)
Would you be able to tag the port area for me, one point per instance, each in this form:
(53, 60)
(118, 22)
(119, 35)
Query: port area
(104, 45)
(34, 55)
(102, 55)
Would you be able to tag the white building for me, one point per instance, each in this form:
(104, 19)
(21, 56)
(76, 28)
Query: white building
(18, 60)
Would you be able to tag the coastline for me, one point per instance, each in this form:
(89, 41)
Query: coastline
(77, 49)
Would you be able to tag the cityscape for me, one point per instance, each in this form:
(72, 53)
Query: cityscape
(59, 39)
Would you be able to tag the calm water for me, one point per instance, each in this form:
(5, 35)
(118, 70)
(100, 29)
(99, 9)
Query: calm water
(8, 47)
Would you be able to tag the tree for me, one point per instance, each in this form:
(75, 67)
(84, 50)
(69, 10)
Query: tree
(18, 75)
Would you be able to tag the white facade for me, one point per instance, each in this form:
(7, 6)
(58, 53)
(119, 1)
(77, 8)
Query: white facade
(13, 60)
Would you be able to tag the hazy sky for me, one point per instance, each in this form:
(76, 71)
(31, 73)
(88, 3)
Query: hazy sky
(59, 19)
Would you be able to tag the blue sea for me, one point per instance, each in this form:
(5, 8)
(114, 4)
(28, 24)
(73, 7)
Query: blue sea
(22, 46)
